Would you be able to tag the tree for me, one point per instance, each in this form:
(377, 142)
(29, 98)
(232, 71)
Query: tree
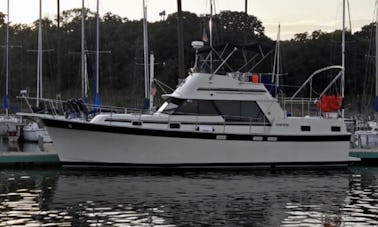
(301, 37)
(238, 27)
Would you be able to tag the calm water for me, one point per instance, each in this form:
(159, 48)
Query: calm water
(44, 197)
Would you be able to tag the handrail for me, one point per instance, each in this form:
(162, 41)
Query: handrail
(314, 74)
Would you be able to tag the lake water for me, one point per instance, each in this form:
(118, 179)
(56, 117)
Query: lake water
(64, 197)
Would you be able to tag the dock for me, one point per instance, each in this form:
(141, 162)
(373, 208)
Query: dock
(368, 157)
(32, 155)
(28, 158)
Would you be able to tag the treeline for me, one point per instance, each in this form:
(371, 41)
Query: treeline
(121, 70)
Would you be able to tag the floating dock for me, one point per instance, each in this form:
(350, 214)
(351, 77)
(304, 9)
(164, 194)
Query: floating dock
(34, 155)
(367, 157)
(28, 158)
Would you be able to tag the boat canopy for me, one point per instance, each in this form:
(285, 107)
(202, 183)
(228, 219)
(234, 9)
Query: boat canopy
(255, 46)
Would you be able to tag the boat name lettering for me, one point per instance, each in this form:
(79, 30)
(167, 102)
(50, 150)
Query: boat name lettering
(258, 138)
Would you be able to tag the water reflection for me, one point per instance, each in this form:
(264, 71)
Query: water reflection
(150, 198)
(359, 206)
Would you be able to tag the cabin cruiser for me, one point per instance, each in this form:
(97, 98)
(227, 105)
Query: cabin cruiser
(210, 120)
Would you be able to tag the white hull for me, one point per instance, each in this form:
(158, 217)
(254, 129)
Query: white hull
(36, 134)
(91, 147)
(8, 124)
(366, 139)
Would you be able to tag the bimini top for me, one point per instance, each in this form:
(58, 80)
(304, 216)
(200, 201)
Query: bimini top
(252, 46)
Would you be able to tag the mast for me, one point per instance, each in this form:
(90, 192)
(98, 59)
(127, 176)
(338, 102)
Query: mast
(276, 63)
(180, 43)
(6, 101)
(39, 58)
(152, 64)
(211, 35)
(145, 45)
(376, 56)
(343, 63)
(84, 88)
(97, 96)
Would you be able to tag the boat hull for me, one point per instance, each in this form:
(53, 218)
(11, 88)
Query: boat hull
(34, 135)
(91, 144)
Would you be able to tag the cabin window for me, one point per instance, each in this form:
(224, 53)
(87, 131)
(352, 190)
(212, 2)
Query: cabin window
(229, 109)
(335, 129)
(241, 111)
(206, 108)
(305, 128)
(197, 107)
(170, 106)
(136, 123)
(174, 125)
(187, 107)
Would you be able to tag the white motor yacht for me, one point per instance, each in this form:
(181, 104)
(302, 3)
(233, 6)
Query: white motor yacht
(210, 120)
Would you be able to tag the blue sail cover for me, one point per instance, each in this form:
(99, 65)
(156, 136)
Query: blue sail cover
(376, 104)
(6, 102)
(97, 101)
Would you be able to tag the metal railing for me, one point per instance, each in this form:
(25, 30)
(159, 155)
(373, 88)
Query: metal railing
(301, 107)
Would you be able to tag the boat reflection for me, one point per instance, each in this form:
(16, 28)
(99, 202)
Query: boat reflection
(150, 198)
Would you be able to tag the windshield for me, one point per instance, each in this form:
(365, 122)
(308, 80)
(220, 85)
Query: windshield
(169, 106)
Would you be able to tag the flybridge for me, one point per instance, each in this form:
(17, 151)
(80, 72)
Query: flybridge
(225, 59)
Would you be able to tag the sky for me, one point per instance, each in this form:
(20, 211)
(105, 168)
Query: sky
(295, 16)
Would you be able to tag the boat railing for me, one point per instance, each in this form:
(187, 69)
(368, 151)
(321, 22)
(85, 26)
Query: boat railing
(71, 108)
(301, 107)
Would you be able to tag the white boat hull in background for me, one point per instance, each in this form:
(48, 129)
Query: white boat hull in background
(8, 124)
(33, 133)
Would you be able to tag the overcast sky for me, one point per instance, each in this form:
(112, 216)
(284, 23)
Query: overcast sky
(295, 16)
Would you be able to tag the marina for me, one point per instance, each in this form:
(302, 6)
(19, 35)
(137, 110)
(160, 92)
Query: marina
(200, 118)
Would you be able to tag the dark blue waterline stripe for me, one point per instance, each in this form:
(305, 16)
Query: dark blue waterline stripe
(193, 135)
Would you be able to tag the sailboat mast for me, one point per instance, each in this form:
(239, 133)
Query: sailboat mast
(7, 65)
(376, 56)
(97, 49)
(145, 45)
(276, 67)
(211, 35)
(343, 62)
(39, 58)
(83, 89)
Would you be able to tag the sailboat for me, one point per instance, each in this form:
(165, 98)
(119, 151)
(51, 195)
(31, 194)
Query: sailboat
(369, 137)
(33, 132)
(8, 122)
